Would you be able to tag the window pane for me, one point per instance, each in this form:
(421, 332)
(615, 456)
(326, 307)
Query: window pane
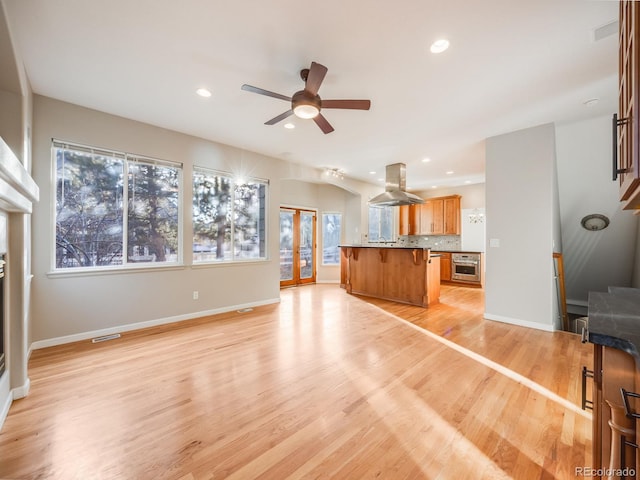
(153, 213)
(89, 209)
(381, 223)
(211, 217)
(286, 245)
(306, 244)
(249, 220)
(331, 233)
(374, 223)
(228, 219)
(386, 224)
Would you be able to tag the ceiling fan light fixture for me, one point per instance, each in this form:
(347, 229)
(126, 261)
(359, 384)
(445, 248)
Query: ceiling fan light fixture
(305, 105)
(306, 111)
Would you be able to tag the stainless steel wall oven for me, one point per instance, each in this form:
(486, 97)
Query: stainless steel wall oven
(465, 267)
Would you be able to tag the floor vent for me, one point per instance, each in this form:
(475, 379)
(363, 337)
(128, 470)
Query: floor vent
(245, 310)
(104, 338)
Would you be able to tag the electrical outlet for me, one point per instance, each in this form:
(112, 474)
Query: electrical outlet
(195, 294)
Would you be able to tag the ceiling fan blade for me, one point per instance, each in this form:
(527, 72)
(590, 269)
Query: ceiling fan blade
(261, 91)
(315, 78)
(323, 124)
(349, 104)
(279, 118)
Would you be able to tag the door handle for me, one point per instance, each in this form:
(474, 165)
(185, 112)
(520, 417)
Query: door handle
(615, 123)
(586, 404)
(625, 400)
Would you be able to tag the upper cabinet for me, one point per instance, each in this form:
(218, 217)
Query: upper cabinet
(626, 127)
(437, 216)
(451, 215)
(409, 220)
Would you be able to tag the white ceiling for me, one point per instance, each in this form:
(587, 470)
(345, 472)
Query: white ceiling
(512, 64)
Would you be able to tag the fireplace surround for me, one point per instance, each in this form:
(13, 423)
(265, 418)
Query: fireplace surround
(2, 322)
(18, 192)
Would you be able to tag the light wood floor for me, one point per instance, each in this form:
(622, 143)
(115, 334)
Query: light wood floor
(323, 385)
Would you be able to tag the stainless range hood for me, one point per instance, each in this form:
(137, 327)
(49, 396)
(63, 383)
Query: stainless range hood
(395, 186)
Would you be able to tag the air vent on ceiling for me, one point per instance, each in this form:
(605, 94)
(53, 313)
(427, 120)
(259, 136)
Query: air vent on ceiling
(605, 30)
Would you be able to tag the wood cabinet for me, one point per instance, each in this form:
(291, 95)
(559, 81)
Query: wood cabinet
(626, 124)
(451, 215)
(406, 275)
(445, 266)
(437, 216)
(409, 220)
(613, 369)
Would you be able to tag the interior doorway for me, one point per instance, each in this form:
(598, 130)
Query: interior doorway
(297, 246)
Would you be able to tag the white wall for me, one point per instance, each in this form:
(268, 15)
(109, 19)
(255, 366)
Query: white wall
(520, 199)
(68, 305)
(473, 196)
(592, 260)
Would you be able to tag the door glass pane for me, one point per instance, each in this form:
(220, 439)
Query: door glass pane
(286, 245)
(152, 222)
(306, 245)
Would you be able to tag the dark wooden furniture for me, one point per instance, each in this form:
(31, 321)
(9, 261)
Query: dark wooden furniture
(626, 124)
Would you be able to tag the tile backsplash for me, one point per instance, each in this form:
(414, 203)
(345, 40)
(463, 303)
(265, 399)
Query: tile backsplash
(434, 242)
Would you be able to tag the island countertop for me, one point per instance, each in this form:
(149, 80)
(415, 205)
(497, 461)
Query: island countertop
(408, 247)
(614, 320)
(382, 245)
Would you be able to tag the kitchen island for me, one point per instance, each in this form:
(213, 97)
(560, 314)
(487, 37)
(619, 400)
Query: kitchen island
(402, 274)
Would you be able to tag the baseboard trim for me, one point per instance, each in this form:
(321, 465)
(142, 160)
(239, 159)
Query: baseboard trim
(6, 404)
(520, 323)
(52, 342)
(21, 392)
(332, 282)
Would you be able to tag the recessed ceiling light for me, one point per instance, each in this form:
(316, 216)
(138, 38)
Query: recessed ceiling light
(372, 173)
(203, 92)
(434, 186)
(467, 181)
(289, 126)
(439, 46)
(381, 179)
(426, 160)
(450, 172)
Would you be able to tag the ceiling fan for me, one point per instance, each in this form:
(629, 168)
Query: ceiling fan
(307, 103)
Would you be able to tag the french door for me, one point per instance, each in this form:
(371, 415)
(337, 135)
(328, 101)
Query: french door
(297, 246)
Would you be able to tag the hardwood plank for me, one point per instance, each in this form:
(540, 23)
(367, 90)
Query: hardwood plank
(322, 385)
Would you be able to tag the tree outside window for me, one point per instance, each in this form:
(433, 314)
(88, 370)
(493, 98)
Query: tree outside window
(92, 229)
(229, 218)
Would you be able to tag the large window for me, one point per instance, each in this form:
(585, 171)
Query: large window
(229, 217)
(103, 220)
(381, 223)
(331, 231)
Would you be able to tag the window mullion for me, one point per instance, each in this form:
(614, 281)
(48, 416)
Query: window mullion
(125, 213)
(233, 220)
